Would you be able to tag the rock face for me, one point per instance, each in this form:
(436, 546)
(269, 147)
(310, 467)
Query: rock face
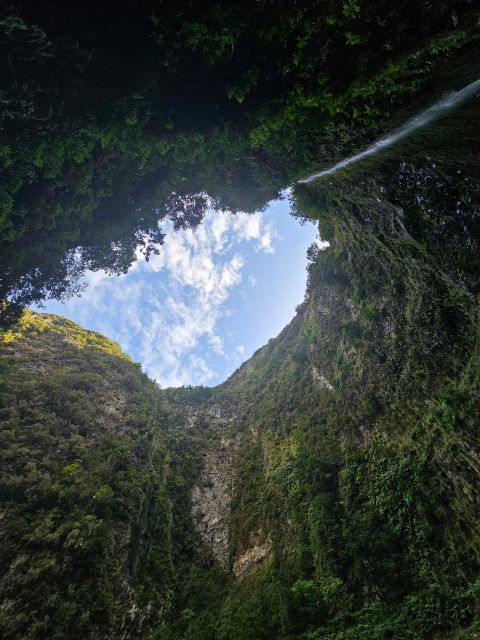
(214, 415)
(249, 561)
(346, 446)
(93, 431)
(320, 379)
(211, 497)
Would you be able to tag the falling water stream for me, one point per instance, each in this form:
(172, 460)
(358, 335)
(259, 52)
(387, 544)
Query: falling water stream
(452, 100)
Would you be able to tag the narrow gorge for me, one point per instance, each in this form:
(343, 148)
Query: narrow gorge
(329, 489)
(331, 483)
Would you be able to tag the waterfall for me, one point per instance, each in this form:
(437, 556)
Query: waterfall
(452, 100)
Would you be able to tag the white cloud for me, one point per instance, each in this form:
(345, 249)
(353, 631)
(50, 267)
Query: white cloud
(266, 241)
(249, 227)
(94, 278)
(164, 309)
(177, 313)
(216, 343)
(321, 244)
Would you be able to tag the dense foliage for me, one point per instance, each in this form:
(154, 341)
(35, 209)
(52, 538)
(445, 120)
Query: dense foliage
(356, 454)
(105, 112)
(82, 482)
(348, 446)
(360, 421)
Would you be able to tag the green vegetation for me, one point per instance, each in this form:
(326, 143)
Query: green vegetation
(345, 452)
(84, 505)
(356, 455)
(108, 128)
(363, 460)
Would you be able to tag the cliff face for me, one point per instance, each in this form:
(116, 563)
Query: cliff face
(82, 486)
(349, 446)
(328, 489)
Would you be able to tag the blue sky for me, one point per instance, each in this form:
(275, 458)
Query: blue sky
(195, 312)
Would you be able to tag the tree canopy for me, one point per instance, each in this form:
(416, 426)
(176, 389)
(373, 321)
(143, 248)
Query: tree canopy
(108, 109)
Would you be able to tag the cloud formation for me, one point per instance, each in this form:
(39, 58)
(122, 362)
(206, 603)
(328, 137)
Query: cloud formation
(163, 309)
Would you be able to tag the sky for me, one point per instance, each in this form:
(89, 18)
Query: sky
(208, 301)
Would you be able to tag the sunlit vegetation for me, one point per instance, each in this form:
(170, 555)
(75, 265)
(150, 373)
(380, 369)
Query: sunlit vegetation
(80, 461)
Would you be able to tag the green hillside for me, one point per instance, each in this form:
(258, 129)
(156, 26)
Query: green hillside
(328, 489)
